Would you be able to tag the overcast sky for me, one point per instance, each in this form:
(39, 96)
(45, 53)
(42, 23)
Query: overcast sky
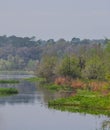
(56, 19)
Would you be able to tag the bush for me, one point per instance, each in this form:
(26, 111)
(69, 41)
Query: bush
(94, 69)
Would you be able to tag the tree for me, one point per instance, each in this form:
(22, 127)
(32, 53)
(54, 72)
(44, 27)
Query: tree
(69, 66)
(94, 69)
(46, 67)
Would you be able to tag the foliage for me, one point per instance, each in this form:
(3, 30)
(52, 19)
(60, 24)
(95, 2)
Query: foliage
(8, 91)
(107, 48)
(27, 53)
(77, 109)
(85, 99)
(69, 67)
(22, 52)
(94, 69)
(9, 81)
(46, 67)
(35, 79)
(55, 87)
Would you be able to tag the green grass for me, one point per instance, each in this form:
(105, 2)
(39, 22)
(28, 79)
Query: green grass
(55, 87)
(35, 79)
(8, 91)
(10, 81)
(84, 100)
(77, 109)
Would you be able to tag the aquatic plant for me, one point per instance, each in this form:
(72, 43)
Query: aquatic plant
(8, 91)
(85, 100)
(9, 81)
(35, 79)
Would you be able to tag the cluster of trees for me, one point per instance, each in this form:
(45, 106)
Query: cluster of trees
(87, 62)
(27, 53)
(17, 63)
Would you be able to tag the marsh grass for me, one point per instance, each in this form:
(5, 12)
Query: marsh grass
(35, 79)
(77, 109)
(8, 91)
(54, 87)
(84, 100)
(9, 81)
(94, 85)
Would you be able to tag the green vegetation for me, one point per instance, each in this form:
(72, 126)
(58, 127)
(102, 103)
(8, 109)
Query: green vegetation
(69, 66)
(83, 101)
(65, 65)
(25, 53)
(35, 79)
(77, 109)
(47, 67)
(90, 64)
(8, 91)
(9, 81)
(55, 87)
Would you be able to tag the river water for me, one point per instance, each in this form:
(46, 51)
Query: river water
(29, 111)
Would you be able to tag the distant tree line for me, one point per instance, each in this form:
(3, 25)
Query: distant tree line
(87, 61)
(27, 53)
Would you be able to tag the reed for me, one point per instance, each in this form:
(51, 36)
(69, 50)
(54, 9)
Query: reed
(10, 81)
(8, 91)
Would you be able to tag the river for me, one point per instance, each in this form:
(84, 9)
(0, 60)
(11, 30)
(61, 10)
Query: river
(28, 110)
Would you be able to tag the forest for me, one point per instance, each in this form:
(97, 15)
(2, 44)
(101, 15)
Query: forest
(27, 53)
(81, 67)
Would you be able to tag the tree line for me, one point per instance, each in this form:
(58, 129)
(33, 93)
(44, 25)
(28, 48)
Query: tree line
(88, 61)
(28, 53)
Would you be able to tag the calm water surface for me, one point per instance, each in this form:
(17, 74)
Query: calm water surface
(29, 111)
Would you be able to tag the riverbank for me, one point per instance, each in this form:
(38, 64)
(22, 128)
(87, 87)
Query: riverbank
(91, 96)
(83, 101)
(66, 84)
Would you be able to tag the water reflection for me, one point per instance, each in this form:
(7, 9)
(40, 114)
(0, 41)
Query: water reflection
(18, 99)
(27, 94)
(15, 76)
(49, 95)
(105, 125)
(28, 110)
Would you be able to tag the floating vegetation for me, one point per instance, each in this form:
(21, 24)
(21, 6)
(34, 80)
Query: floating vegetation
(83, 101)
(35, 79)
(10, 81)
(8, 91)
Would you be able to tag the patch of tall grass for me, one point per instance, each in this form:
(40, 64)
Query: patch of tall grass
(35, 79)
(8, 91)
(10, 81)
(85, 100)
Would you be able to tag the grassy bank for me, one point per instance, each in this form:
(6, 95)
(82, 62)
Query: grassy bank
(10, 81)
(77, 109)
(49, 86)
(8, 91)
(56, 87)
(93, 85)
(84, 100)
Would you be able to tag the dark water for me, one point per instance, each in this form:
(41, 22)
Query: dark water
(29, 111)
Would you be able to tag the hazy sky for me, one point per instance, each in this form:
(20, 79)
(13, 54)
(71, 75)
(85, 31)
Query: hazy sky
(56, 19)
